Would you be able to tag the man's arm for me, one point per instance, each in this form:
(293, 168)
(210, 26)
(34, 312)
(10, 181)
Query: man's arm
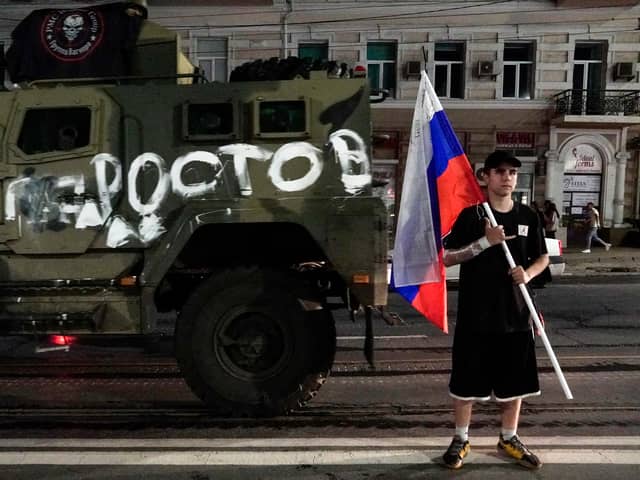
(520, 275)
(460, 255)
(492, 236)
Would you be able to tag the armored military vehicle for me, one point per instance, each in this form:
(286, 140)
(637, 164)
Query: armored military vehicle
(245, 208)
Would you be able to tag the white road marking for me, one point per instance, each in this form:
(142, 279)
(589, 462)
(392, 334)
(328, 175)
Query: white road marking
(305, 451)
(386, 337)
(316, 442)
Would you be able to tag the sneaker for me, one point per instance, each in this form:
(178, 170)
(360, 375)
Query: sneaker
(586, 251)
(514, 448)
(607, 247)
(458, 449)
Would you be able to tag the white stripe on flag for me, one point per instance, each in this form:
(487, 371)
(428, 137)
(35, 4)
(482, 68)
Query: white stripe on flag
(415, 255)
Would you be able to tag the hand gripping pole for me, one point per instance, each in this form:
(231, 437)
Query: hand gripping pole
(532, 310)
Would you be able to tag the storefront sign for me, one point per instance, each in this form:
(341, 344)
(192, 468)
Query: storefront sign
(582, 198)
(583, 159)
(515, 140)
(581, 183)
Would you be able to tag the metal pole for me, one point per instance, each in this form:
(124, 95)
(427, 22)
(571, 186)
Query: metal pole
(285, 29)
(532, 310)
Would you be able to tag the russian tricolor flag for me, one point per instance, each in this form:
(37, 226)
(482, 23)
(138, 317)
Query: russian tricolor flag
(438, 184)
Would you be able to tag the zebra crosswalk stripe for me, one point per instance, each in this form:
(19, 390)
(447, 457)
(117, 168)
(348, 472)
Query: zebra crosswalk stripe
(305, 451)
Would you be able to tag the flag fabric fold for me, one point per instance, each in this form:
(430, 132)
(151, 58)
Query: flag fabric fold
(438, 184)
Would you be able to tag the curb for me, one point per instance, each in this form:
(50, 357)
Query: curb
(569, 278)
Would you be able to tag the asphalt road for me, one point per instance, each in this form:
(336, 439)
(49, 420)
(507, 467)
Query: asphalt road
(389, 423)
(594, 302)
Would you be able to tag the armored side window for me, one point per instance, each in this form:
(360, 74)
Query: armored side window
(55, 129)
(282, 118)
(3, 67)
(207, 121)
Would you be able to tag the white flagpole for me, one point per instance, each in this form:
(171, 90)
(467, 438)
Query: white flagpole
(532, 310)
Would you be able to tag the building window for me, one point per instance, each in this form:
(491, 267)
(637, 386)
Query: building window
(381, 66)
(449, 60)
(518, 70)
(588, 78)
(589, 51)
(314, 52)
(211, 58)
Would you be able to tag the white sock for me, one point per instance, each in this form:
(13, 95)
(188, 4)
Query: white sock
(463, 432)
(507, 434)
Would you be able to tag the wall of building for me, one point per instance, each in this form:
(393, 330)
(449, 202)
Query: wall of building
(253, 30)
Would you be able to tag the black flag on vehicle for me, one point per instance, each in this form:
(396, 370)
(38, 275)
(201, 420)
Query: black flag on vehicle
(84, 42)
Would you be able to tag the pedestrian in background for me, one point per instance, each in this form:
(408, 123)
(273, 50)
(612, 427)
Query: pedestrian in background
(493, 346)
(540, 211)
(592, 221)
(551, 219)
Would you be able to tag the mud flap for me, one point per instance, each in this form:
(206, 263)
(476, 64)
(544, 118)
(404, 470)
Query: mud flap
(368, 336)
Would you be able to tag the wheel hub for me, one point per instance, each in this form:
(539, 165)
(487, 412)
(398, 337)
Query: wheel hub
(252, 345)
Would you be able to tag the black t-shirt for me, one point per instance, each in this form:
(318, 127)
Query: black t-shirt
(487, 294)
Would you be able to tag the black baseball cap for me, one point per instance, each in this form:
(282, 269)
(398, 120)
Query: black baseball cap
(495, 159)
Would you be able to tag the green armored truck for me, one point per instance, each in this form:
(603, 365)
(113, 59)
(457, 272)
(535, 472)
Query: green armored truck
(137, 191)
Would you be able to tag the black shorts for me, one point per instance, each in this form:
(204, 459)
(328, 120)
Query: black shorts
(502, 364)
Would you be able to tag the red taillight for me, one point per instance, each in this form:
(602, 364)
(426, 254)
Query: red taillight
(560, 246)
(62, 339)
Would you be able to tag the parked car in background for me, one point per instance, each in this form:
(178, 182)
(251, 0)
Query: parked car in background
(556, 260)
(557, 264)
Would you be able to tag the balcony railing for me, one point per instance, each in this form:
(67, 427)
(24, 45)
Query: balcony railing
(598, 102)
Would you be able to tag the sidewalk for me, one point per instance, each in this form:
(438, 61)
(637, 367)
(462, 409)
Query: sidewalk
(618, 260)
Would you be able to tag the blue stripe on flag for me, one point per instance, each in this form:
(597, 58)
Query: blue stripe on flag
(445, 143)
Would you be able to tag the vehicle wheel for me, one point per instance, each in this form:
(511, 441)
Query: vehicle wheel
(246, 345)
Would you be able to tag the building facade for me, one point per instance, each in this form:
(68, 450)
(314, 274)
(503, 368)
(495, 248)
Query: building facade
(556, 82)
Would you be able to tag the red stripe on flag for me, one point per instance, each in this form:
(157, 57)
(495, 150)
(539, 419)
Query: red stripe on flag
(431, 299)
(457, 189)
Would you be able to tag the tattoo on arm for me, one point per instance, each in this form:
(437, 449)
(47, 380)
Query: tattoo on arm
(460, 255)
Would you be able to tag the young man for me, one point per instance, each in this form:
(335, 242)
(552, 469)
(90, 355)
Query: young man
(493, 345)
(593, 224)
